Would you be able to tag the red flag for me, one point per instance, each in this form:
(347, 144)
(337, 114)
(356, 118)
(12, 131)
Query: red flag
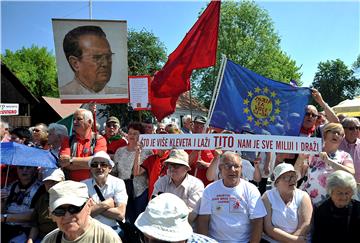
(197, 50)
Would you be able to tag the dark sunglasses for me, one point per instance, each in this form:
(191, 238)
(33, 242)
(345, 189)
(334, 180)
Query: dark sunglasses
(309, 114)
(72, 209)
(36, 130)
(353, 128)
(109, 125)
(96, 164)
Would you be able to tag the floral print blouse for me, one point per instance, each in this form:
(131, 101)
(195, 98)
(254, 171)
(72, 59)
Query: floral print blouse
(318, 172)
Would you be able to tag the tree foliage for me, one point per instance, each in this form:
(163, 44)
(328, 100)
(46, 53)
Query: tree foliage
(247, 36)
(35, 67)
(146, 54)
(336, 82)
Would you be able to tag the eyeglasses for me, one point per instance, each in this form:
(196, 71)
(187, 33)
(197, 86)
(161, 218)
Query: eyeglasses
(96, 164)
(312, 115)
(72, 209)
(100, 57)
(173, 165)
(289, 178)
(21, 167)
(109, 125)
(230, 166)
(353, 128)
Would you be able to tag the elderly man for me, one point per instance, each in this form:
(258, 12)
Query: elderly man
(351, 143)
(89, 55)
(41, 221)
(4, 132)
(112, 135)
(180, 183)
(21, 197)
(70, 208)
(311, 116)
(200, 160)
(108, 192)
(231, 209)
(56, 134)
(186, 124)
(76, 151)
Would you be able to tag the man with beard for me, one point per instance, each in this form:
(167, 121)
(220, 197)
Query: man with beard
(107, 191)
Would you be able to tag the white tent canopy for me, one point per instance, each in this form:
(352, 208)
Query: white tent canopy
(348, 107)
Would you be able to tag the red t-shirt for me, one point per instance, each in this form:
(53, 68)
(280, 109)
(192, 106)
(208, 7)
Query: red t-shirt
(207, 156)
(82, 150)
(113, 145)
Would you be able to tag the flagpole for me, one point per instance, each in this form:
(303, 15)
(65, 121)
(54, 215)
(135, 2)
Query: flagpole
(216, 89)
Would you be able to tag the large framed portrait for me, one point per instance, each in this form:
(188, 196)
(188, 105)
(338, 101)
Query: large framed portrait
(91, 57)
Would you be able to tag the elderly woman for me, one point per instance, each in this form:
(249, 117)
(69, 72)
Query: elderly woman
(325, 163)
(288, 209)
(127, 167)
(337, 219)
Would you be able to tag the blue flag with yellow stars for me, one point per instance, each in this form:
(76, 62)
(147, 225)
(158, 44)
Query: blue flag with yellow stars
(250, 103)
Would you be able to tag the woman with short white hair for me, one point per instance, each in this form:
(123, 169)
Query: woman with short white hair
(337, 219)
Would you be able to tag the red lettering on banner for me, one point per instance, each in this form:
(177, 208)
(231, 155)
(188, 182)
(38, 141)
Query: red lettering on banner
(267, 144)
(244, 143)
(285, 145)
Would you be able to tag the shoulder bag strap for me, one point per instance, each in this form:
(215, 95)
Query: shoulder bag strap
(98, 192)
(59, 236)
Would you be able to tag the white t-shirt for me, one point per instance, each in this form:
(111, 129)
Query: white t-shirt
(231, 209)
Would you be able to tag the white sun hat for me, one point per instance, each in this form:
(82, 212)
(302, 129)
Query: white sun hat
(165, 218)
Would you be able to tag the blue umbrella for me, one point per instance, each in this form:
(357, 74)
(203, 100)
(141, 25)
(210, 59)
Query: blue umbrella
(19, 154)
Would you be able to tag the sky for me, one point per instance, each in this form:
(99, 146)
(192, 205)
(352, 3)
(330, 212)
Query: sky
(310, 31)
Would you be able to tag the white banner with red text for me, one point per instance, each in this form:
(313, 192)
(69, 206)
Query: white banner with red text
(235, 142)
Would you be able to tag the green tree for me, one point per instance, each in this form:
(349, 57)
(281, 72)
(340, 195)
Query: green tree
(35, 67)
(146, 54)
(246, 36)
(336, 82)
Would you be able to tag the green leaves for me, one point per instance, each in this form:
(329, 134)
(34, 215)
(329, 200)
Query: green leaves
(35, 67)
(336, 82)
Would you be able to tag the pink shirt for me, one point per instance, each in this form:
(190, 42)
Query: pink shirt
(354, 150)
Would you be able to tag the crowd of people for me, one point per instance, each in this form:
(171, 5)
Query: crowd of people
(107, 184)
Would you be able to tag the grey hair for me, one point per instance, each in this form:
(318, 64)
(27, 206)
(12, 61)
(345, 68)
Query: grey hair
(59, 129)
(5, 125)
(228, 155)
(348, 121)
(87, 114)
(184, 118)
(340, 178)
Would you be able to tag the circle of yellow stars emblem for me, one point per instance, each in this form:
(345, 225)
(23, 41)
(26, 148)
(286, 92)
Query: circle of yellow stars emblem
(262, 105)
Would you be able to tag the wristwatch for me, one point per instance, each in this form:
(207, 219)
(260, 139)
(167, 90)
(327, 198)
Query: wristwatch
(5, 217)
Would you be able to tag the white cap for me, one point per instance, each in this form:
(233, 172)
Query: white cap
(53, 175)
(178, 156)
(282, 169)
(165, 218)
(102, 155)
(68, 192)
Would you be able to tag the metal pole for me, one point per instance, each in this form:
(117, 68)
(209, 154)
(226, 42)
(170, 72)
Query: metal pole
(90, 9)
